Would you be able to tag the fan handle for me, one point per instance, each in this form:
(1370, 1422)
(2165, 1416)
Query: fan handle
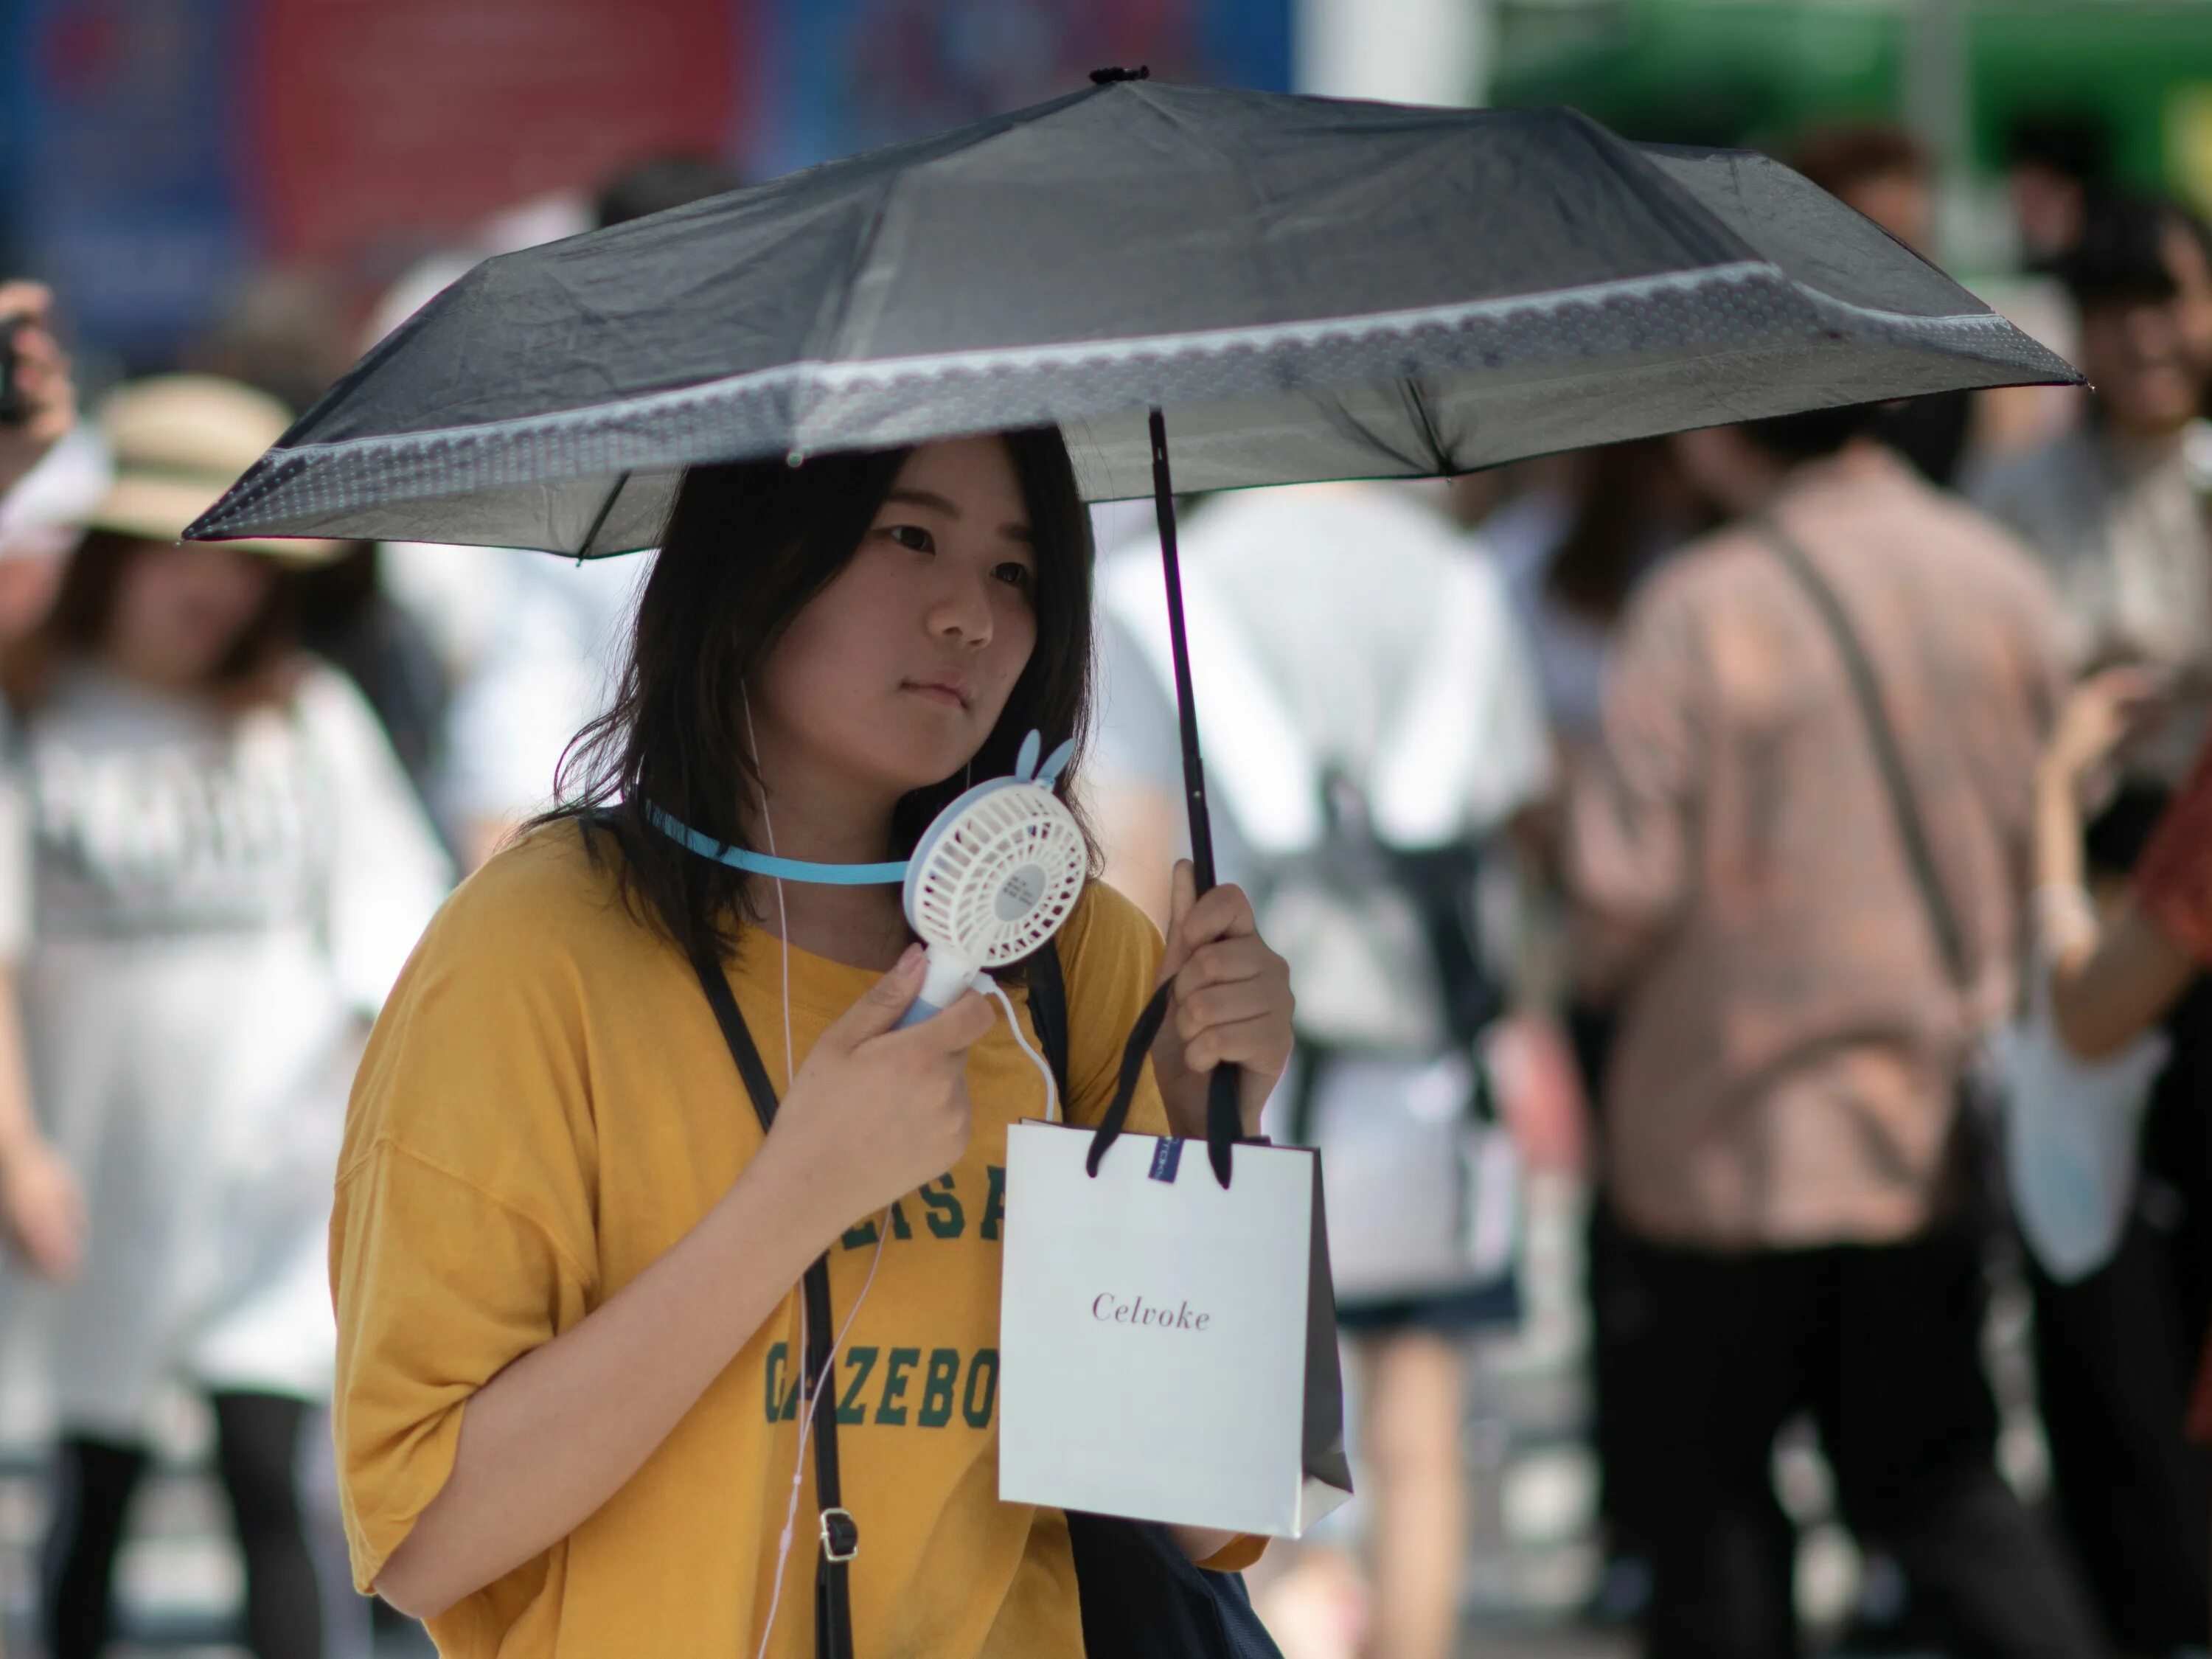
(948, 976)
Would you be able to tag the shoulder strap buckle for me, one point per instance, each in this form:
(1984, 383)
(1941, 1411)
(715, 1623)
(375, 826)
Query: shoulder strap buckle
(841, 1535)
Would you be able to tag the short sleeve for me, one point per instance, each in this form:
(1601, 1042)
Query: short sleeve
(2173, 881)
(462, 1236)
(438, 1287)
(1110, 954)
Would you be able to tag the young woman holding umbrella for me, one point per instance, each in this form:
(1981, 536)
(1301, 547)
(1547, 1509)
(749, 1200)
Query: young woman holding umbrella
(569, 1417)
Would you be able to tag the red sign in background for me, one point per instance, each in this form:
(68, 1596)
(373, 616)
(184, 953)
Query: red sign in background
(384, 126)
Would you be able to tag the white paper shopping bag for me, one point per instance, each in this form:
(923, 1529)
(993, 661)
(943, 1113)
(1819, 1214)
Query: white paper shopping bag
(1167, 1346)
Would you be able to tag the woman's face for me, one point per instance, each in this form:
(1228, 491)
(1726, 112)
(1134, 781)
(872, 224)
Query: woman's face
(896, 673)
(2150, 359)
(179, 609)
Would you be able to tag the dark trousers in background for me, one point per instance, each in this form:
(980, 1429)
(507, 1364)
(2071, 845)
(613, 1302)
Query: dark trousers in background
(257, 1458)
(1882, 1345)
(2116, 1353)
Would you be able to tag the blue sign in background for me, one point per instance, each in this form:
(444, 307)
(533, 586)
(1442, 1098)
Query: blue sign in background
(124, 173)
(834, 76)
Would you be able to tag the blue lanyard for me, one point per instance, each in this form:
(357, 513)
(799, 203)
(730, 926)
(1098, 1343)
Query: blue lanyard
(760, 864)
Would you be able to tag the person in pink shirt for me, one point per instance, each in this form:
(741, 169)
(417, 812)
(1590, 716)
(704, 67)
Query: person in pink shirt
(1781, 1106)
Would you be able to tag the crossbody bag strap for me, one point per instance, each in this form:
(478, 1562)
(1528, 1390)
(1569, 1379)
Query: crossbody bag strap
(1047, 983)
(1881, 738)
(840, 1537)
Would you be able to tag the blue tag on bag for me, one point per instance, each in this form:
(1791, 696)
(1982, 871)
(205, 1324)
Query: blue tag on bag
(1167, 1160)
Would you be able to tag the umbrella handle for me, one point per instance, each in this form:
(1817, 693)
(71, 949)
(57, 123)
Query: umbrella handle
(1223, 1123)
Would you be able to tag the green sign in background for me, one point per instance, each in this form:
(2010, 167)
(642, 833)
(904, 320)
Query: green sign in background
(1753, 71)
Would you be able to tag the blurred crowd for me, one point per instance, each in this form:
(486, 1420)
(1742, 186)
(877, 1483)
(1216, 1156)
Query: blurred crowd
(1800, 833)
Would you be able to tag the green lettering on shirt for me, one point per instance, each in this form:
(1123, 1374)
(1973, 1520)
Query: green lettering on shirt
(779, 1356)
(984, 1370)
(994, 1205)
(946, 1218)
(859, 1235)
(888, 1410)
(849, 1410)
(937, 1389)
(899, 1229)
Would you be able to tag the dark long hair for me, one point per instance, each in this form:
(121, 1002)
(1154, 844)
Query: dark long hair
(261, 665)
(747, 544)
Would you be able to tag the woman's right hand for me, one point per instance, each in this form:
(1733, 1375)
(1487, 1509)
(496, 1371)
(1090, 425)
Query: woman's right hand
(42, 1209)
(875, 1112)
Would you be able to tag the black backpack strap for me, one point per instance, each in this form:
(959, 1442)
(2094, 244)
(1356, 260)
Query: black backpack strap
(1048, 987)
(840, 1535)
(1047, 990)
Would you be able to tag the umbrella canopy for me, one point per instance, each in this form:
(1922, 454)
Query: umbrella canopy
(1307, 288)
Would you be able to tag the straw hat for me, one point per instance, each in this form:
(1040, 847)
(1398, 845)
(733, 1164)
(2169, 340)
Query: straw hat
(179, 442)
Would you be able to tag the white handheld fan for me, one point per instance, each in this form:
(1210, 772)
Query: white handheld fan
(994, 877)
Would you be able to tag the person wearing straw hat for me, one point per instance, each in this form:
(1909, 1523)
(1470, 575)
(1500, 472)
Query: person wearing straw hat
(225, 867)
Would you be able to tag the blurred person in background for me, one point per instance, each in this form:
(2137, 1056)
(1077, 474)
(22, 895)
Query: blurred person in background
(1783, 1133)
(39, 372)
(1375, 727)
(2122, 962)
(348, 619)
(662, 182)
(1888, 175)
(529, 644)
(51, 480)
(225, 870)
(2123, 915)
(2054, 164)
(41, 520)
(2116, 508)
(1573, 546)
(281, 333)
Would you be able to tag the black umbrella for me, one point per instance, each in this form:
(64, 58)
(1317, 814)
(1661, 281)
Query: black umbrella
(1295, 288)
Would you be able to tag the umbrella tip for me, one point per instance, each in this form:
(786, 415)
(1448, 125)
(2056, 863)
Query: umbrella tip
(1102, 77)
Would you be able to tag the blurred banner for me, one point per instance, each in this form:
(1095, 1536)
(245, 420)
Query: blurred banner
(152, 152)
(834, 76)
(384, 121)
(124, 186)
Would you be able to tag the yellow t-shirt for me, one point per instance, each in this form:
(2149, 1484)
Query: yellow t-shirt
(546, 1106)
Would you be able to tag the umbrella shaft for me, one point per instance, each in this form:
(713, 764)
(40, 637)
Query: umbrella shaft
(1194, 768)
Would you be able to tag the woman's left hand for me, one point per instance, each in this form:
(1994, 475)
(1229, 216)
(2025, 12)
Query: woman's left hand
(1230, 1005)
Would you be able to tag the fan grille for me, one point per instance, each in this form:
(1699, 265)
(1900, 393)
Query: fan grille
(999, 881)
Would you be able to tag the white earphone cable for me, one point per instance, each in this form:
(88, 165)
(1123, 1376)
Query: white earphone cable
(1044, 1070)
(809, 1401)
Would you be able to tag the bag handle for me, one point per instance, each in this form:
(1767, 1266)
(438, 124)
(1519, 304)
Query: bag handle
(839, 1534)
(1881, 738)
